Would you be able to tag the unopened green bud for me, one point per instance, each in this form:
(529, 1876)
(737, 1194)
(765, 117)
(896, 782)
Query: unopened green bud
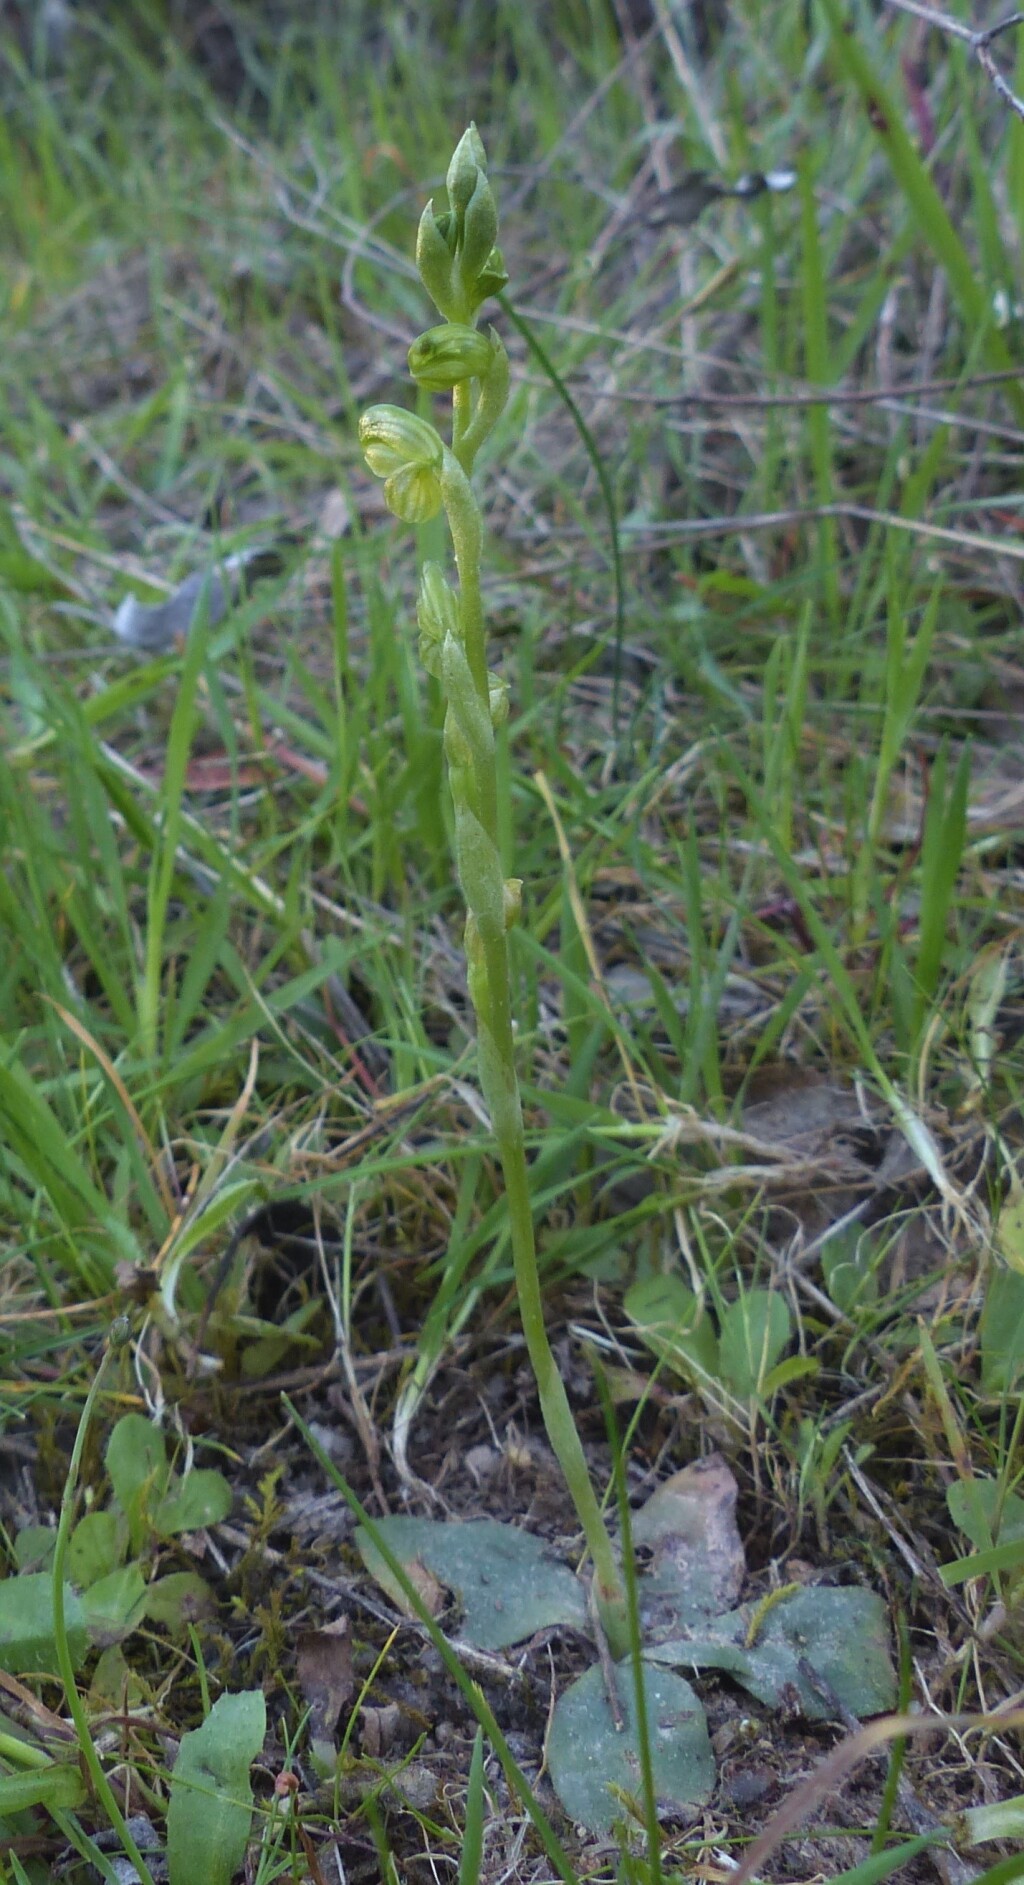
(394, 440)
(493, 277)
(480, 231)
(434, 258)
(468, 160)
(446, 356)
(497, 699)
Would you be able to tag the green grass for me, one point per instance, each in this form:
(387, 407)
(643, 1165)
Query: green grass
(787, 800)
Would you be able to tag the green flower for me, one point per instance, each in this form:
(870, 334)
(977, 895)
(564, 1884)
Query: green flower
(407, 453)
(445, 356)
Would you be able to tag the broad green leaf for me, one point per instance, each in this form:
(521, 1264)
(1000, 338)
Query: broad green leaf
(509, 1582)
(96, 1547)
(1002, 1333)
(26, 1625)
(984, 1513)
(839, 1635)
(842, 1632)
(115, 1605)
(209, 1815)
(675, 1326)
(136, 1456)
(595, 1765)
(136, 1460)
(202, 1498)
(34, 1547)
(755, 1330)
(180, 1598)
(849, 1265)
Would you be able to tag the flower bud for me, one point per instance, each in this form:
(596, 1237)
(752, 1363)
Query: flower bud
(445, 356)
(468, 160)
(393, 439)
(434, 257)
(493, 277)
(480, 230)
(497, 699)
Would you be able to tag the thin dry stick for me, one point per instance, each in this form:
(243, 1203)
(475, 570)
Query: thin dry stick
(978, 43)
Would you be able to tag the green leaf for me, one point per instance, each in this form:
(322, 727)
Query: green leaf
(1005, 1557)
(674, 1325)
(984, 1512)
(35, 1136)
(840, 1635)
(58, 1786)
(26, 1625)
(34, 1548)
(1009, 1229)
(180, 1598)
(595, 1765)
(115, 1605)
(202, 1498)
(136, 1460)
(209, 1815)
(473, 1825)
(843, 1634)
(848, 1262)
(508, 1581)
(96, 1548)
(755, 1330)
(1002, 1333)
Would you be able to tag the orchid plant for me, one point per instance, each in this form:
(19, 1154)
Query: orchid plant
(460, 266)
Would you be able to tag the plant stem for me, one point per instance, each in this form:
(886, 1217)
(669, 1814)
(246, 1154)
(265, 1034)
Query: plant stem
(490, 986)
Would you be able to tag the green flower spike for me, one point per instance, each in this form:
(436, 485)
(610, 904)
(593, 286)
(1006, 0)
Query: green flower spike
(460, 265)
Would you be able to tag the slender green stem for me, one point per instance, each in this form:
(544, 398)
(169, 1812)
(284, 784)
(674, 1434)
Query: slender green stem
(554, 1403)
(493, 998)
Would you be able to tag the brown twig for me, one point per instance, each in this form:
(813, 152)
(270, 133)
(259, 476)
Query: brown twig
(978, 43)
